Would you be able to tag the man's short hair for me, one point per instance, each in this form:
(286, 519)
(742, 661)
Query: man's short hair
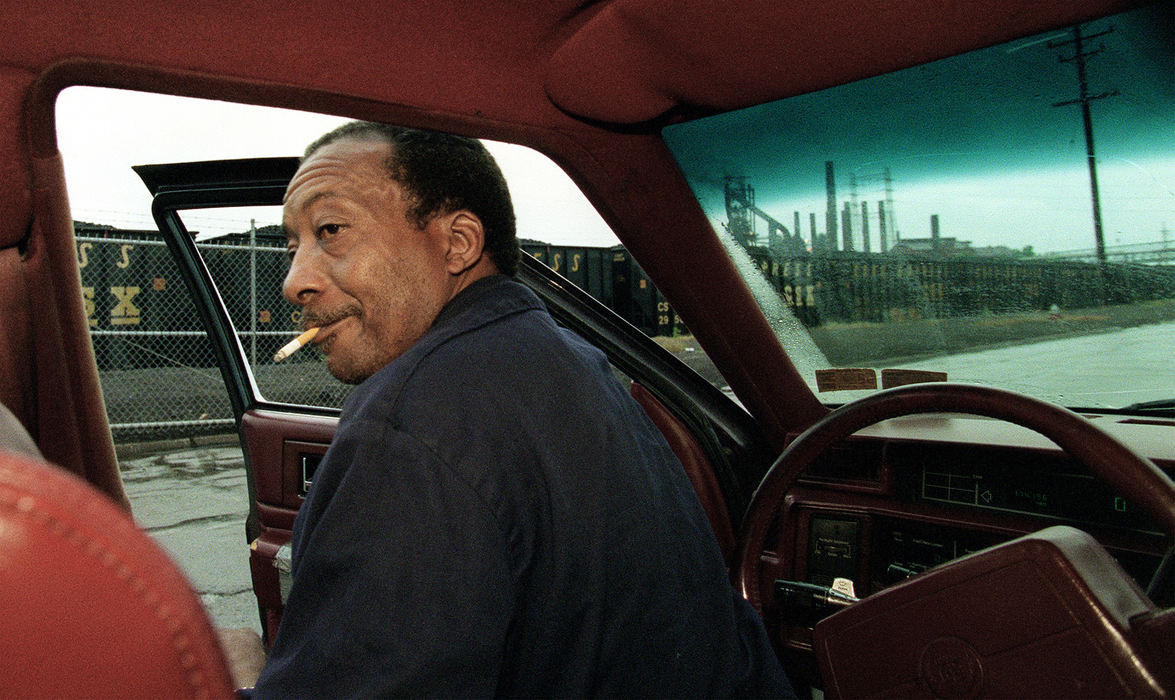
(443, 173)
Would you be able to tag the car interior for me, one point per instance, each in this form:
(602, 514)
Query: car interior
(808, 197)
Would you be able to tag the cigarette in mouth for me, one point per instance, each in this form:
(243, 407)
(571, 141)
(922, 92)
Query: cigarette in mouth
(296, 344)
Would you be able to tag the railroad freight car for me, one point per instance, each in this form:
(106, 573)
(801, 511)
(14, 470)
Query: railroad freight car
(613, 278)
(136, 304)
(141, 316)
(139, 309)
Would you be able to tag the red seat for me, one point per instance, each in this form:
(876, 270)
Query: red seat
(697, 467)
(89, 605)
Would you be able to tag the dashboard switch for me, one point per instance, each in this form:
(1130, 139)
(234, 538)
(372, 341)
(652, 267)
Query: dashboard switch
(805, 604)
(844, 587)
(833, 549)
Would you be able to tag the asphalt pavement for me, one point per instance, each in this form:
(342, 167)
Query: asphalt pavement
(193, 501)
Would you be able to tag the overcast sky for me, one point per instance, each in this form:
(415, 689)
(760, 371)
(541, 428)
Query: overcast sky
(102, 133)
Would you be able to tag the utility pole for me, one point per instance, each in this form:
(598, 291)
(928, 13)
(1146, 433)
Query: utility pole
(1084, 98)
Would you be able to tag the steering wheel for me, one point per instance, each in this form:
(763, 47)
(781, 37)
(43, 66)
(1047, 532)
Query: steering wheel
(1130, 475)
(1134, 478)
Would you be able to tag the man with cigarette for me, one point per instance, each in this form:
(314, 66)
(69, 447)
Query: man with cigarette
(495, 515)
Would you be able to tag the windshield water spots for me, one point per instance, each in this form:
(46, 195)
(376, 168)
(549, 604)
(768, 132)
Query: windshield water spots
(802, 350)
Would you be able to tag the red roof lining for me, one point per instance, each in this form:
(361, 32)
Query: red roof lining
(625, 61)
(445, 55)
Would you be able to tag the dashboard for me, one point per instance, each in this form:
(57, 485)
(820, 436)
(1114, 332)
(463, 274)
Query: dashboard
(910, 493)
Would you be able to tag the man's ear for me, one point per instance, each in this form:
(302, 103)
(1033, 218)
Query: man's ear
(465, 237)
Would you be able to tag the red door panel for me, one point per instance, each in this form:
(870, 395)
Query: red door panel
(282, 449)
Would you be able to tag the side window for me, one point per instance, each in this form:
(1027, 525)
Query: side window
(245, 253)
(159, 374)
(614, 278)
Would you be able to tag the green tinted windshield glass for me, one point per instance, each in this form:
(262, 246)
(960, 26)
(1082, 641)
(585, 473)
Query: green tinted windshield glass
(951, 218)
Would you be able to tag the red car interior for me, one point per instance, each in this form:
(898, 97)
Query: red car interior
(697, 467)
(93, 607)
(511, 87)
(955, 626)
(591, 85)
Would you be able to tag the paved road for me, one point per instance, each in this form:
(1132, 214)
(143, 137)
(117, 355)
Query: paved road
(1102, 370)
(194, 501)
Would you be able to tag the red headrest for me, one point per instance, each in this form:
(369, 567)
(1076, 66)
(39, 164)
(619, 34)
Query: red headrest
(89, 605)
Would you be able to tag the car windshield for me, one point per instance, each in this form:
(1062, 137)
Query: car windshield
(1004, 217)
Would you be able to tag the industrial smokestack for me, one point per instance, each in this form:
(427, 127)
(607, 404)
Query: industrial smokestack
(846, 223)
(865, 227)
(935, 239)
(881, 225)
(830, 188)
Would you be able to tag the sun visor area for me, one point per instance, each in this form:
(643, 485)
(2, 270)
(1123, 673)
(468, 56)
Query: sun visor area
(635, 60)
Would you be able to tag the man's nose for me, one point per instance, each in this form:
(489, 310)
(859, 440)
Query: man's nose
(303, 279)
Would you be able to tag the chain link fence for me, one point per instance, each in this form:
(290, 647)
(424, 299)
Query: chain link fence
(160, 378)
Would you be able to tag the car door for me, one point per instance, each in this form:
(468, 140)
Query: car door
(286, 412)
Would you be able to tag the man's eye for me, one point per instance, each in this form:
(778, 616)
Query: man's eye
(290, 253)
(328, 230)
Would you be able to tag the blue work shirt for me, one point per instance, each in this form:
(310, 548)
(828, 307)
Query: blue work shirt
(496, 516)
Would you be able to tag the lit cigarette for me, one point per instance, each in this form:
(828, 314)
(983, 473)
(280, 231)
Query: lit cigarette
(295, 345)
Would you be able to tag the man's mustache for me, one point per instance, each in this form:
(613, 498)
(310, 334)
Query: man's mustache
(313, 319)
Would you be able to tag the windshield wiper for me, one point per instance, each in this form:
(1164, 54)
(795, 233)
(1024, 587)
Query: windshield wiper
(1158, 405)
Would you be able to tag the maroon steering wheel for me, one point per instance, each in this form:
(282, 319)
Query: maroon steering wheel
(1130, 475)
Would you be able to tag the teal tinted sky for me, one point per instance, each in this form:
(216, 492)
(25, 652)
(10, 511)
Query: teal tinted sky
(974, 138)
